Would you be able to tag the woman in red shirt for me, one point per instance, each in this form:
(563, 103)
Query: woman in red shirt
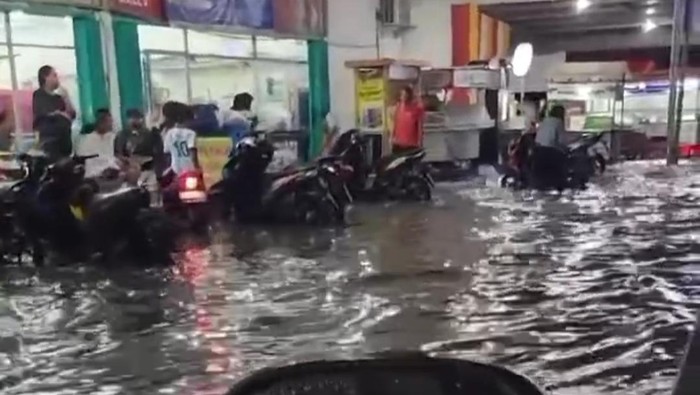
(408, 123)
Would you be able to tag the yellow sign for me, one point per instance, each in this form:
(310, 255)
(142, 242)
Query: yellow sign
(370, 98)
(213, 154)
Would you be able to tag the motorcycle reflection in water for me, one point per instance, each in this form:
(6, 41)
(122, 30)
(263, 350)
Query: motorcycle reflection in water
(56, 209)
(304, 195)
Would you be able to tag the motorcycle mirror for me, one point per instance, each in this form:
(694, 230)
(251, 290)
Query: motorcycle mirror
(417, 375)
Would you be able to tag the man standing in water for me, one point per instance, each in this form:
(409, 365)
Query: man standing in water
(549, 157)
(53, 115)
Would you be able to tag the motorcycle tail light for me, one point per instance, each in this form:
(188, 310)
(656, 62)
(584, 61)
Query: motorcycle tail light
(191, 183)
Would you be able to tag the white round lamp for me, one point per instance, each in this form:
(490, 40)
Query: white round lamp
(522, 59)
(521, 62)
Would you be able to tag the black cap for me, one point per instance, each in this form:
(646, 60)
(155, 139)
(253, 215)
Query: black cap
(134, 113)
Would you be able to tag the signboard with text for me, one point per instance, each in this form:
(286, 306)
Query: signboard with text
(255, 14)
(144, 9)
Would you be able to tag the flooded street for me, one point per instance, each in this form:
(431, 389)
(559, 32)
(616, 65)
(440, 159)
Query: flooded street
(587, 293)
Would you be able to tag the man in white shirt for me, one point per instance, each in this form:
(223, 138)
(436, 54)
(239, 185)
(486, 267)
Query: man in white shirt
(181, 143)
(101, 143)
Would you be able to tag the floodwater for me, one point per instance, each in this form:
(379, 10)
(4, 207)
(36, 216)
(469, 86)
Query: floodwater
(588, 293)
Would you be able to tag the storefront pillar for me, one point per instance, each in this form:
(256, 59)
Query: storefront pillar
(319, 94)
(128, 58)
(92, 85)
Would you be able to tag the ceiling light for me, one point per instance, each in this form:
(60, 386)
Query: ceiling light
(582, 5)
(649, 25)
(651, 11)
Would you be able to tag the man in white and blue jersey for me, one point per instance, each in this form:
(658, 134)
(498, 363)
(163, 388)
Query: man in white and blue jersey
(180, 141)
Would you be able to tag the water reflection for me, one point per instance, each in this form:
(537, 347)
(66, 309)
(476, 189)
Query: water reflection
(587, 293)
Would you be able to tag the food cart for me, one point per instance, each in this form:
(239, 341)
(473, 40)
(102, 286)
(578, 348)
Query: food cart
(457, 104)
(378, 84)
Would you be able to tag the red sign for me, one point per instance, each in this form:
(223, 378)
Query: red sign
(144, 9)
(301, 17)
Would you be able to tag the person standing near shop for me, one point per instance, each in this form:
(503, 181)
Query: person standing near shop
(408, 123)
(53, 115)
(239, 121)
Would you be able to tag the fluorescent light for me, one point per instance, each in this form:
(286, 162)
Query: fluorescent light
(649, 25)
(584, 90)
(582, 5)
(651, 11)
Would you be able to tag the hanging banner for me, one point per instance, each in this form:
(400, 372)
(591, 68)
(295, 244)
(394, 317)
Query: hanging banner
(301, 17)
(256, 14)
(75, 3)
(144, 9)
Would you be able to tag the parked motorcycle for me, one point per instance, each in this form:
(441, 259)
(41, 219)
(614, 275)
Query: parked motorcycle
(65, 213)
(585, 158)
(401, 176)
(185, 198)
(297, 196)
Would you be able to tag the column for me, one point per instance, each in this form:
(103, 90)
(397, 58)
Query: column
(92, 81)
(319, 94)
(128, 58)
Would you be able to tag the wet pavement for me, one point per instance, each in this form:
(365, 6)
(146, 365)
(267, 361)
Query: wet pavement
(588, 293)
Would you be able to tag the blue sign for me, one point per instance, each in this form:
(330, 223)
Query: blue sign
(257, 14)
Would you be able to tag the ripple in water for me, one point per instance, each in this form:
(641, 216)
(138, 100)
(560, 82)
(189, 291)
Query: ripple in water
(586, 292)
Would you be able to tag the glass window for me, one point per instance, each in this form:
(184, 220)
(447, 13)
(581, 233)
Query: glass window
(282, 89)
(219, 44)
(218, 80)
(161, 38)
(28, 29)
(273, 48)
(165, 79)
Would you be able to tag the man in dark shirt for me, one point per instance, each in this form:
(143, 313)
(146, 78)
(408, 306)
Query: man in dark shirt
(137, 140)
(53, 115)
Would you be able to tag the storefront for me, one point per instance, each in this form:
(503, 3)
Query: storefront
(124, 54)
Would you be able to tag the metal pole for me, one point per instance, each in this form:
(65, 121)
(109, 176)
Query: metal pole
(15, 135)
(188, 71)
(676, 42)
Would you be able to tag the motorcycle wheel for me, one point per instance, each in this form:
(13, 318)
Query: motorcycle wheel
(318, 211)
(418, 189)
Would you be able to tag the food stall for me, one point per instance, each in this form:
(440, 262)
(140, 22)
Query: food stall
(457, 104)
(378, 84)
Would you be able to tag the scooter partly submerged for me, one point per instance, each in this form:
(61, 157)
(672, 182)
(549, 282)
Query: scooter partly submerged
(401, 176)
(66, 214)
(585, 158)
(297, 196)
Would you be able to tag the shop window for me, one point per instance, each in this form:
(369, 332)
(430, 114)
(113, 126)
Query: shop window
(282, 90)
(272, 48)
(218, 80)
(29, 29)
(29, 59)
(219, 44)
(36, 41)
(161, 38)
(166, 78)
